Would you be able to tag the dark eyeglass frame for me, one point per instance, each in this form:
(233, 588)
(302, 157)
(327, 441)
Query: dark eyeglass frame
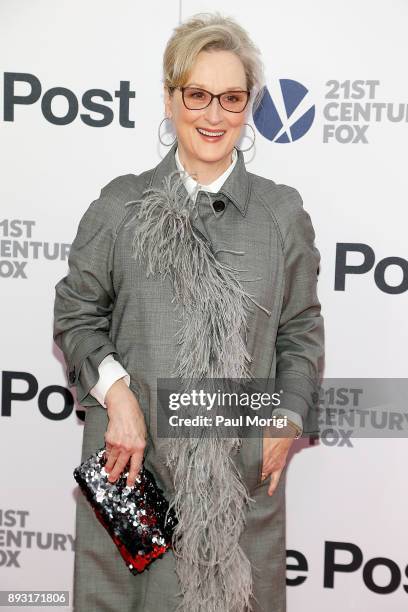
(218, 96)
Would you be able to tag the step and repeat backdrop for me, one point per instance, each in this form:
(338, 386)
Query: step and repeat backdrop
(81, 102)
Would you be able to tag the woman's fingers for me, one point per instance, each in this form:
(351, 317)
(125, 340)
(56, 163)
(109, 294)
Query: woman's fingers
(112, 455)
(135, 465)
(119, 466)
(126, 434)
(117, 461)
(274, 481)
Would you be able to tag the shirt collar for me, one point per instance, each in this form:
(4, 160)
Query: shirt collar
(192, 186)
(236, 188)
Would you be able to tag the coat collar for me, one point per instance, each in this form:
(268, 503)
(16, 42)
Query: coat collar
(237, 186)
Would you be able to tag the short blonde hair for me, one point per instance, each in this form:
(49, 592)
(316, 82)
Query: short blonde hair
(211, 31)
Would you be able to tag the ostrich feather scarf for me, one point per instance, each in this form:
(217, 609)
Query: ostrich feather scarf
(210, 496)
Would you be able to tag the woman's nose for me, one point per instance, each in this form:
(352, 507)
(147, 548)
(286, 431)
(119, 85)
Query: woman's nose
(214, 110)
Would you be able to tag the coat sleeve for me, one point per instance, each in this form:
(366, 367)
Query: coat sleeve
(300, 336)
(84, 299)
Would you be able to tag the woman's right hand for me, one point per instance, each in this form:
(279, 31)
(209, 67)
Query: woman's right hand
(126, 433)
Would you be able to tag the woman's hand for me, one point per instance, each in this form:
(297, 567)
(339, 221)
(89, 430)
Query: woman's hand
(126, 433)
(275, 452)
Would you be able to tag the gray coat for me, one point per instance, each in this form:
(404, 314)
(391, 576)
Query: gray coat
(106, 304)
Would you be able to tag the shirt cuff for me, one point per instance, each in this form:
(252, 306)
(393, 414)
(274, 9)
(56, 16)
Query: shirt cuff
(110, 370)
(292, 416)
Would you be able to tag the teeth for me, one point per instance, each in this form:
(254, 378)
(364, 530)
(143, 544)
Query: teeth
(210, 133)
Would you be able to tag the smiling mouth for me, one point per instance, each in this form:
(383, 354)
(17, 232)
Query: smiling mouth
(210, 133)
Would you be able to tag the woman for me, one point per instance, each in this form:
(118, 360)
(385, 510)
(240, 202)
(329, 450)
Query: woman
(116, 323)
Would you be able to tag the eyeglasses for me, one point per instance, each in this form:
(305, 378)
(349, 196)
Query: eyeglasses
(198, 99)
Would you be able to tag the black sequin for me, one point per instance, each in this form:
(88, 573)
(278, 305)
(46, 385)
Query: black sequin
(135, 517)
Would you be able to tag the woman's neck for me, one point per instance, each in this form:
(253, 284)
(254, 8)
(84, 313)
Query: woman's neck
(203, 172)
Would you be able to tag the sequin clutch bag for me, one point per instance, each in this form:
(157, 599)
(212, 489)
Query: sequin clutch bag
(137, 518)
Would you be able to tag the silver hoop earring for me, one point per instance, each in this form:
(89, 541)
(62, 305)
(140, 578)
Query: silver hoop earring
(166, 144)
(253, 141)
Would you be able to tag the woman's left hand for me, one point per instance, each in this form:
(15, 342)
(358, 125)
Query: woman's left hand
(275, 452)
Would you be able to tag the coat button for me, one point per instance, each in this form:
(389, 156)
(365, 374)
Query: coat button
(71, 376)
(218, 205)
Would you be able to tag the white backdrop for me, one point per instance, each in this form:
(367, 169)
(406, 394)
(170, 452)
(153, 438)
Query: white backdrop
(354, 186)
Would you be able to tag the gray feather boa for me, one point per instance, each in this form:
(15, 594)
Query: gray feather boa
(211, 498)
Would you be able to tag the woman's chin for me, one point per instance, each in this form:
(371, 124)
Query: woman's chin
(211, 152)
